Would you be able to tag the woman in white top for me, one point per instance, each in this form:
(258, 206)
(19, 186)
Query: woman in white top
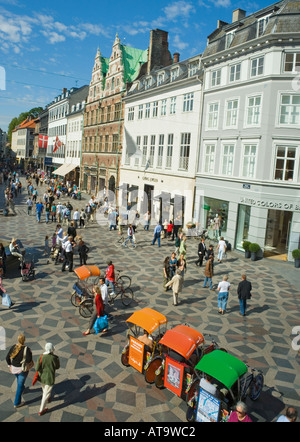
(223, 288)
(221, 247)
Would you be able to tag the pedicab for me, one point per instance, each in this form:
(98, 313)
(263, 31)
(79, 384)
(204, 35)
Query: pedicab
(222, 381)
(146, 327)
(181, 349)
(88, 276)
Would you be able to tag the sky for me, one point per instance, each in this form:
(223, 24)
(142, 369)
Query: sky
(47, 46)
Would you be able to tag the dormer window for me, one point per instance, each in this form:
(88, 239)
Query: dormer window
(160, 79)
(193, 68)
(147, 83)
(261, 25)
(174, 74)
(228, 39)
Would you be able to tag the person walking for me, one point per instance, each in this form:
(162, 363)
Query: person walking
(9, 302)
(39, 210)
(244, 293)
(221, 247)
(29, 203)
(182, 247)
(83, 250)
(130, 235)
(147, 219)
(173, 264)
(19, 361)
(156, 235)
(47, 365)
(166, 270)
(68, 259)
(208, 273)
(82, 219)
(201, 252)
(76, 218)
(98, 310)
(110, 276)
(105, 299)
(3, 258)
(223, 288)
(176, 283)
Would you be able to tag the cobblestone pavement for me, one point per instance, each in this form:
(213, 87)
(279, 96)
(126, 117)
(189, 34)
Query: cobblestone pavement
(92, 384)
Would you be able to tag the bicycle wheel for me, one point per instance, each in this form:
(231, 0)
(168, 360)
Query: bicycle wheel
(119, 242)
(127, 297)
(125, 357)
(125, 281)
(86, 308)
(150, 372)
(194, 389)
(256, 386)
(76, 299)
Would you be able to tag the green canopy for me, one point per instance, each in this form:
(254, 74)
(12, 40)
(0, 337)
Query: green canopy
(222, 366)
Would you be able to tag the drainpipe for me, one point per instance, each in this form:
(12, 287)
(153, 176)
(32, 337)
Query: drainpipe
(119, 132)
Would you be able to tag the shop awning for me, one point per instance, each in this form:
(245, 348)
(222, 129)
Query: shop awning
(64, 169)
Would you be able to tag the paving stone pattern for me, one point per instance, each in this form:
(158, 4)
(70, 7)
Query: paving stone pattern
(92, 384)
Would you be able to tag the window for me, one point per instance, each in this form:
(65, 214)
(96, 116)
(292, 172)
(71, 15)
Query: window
(231, 113)
(292, 62)
(257, 66)
(174, 74)
(147, 110)
(160, 150)
(169, 151)
(117, 111)
(261, 25)
(163, 109)
(152, 151)
(160, 79)
(249, 159)
(289, 109)
(115, 143)
(106, 144)
(185, 151)
(216, 77)
(155, 109)
(285, 163)
(141, 109)
(213, 115)
(145, 150)
(173, 106)
(147, 83)
(253, 110)
(138, 145)
(193, 68)
(131, 114)
(235, 72)
(108, 114)
(209, 160)
(188, 102)
(228, 39)
(227, 161)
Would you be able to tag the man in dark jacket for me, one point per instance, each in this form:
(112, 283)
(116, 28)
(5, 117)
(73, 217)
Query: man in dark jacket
(201, 252)
(244, 293)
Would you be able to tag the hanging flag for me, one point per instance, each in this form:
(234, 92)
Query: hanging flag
(147, 166)
(57, 144)
(43, 141)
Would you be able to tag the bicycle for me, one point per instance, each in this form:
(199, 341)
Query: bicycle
(120, 241)
(123, 279)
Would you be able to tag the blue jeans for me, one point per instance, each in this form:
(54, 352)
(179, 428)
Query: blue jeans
(129, 238)
(243, 306)
(156, 237)
(21, 378)
(111, 283)
(47, 216)
(222, 300)
(38, 216)
(208, 279)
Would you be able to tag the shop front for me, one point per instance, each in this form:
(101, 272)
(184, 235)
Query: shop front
(215, 217)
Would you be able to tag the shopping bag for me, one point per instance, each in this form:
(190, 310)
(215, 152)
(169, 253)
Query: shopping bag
(6, 301)
(100, 324)
(37, 374)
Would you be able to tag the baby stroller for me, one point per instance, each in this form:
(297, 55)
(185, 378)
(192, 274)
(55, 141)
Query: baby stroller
(27, 270)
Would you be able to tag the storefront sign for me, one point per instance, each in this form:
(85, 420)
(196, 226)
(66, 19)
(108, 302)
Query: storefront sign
(271, 204)
(48, 161)
(136, 354)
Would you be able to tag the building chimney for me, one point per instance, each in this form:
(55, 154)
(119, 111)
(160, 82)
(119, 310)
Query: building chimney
(64, 90)
(158, 53)
(238, 14)
(176, 56)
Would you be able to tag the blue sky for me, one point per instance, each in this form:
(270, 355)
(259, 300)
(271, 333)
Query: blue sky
(46, 46)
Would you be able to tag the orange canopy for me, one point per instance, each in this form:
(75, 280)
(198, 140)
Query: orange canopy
(84, 272)
(148, 319)
(182, 339)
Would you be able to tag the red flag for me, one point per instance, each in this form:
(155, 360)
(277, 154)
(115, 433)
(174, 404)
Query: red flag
(43, 141)
(57, 144)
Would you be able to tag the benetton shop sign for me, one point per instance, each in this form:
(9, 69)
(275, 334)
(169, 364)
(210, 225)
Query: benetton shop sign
(271, 204)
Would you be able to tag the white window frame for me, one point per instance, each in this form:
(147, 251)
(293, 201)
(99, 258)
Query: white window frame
(147, 110)
(173, 106)
(285, 159)
(251, 166)
(185, 151)
(163, 108)
(160, 153)
(174, 74)
(258, 70)
(130, 114)
(235, 72)
(295, 62)
(170, 148)
(141, 112)
(155, 109)
(264, 21)
(234, 114)
(228, 39)
(215, 79)
(212, 115)
(209, 158)
(229, 159)
(193, 67)
(145, 150)
(152, 150)
(291, 96)
(188, 102)
(160, 78)
(256, 116)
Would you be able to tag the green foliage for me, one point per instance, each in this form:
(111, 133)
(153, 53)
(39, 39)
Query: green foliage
(246, 245)
(254, 248)
(18, 120)
(296, 254)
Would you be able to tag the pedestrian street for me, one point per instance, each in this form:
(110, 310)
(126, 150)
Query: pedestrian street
(92, 385)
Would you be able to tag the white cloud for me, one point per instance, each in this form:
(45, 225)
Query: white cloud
(178, 44)
(179, 9)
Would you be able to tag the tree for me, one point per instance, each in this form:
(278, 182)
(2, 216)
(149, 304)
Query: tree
(34, 112)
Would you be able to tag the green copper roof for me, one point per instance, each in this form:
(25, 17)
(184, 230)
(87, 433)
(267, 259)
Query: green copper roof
(133, 59)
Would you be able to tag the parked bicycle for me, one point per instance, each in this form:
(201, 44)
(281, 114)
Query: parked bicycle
(121, 242)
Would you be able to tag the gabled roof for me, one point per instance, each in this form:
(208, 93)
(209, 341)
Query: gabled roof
(26, 124)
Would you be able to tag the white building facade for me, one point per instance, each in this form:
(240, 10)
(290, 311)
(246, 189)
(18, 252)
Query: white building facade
(248, 170)
(161, 139)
